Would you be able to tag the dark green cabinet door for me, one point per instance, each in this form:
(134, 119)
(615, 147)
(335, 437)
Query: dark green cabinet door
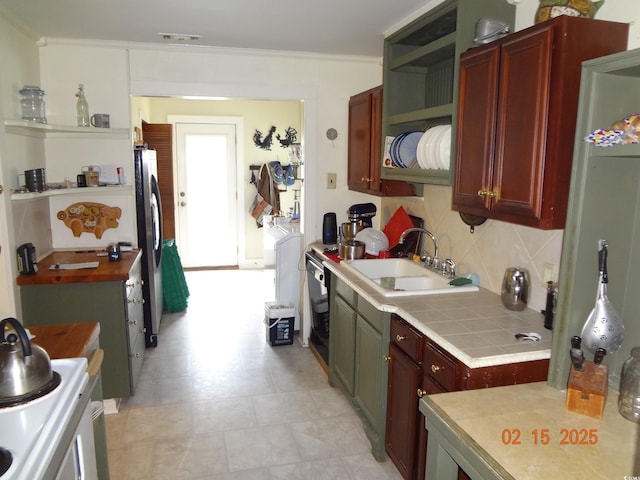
(343, 326)
(369, 363)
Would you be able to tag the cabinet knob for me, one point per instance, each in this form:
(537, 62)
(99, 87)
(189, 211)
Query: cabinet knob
(421, 393)
(366, 179)
(133, 322)
(436, 368)
(399, 338)
(387, 358)
(489, 193)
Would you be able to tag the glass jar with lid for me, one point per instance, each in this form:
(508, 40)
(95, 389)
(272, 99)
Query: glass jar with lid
(629, 398)
(32, 104)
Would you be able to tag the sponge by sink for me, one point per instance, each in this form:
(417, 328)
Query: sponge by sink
(458, 282)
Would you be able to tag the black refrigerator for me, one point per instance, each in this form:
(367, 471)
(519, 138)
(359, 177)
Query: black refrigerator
(149, 219)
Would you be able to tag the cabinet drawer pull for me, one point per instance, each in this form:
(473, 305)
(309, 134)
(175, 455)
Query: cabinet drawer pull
(436, 368)
(421, 393)
(483, 193)
(399, 338)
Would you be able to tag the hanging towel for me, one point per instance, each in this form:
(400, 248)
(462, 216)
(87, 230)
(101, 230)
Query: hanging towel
(268, 188)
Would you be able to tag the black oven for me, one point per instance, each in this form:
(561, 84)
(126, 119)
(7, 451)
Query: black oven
(318, 285)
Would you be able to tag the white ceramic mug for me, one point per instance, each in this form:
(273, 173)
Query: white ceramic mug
(100, 120)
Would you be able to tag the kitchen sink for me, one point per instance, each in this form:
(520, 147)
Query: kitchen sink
(396, 277)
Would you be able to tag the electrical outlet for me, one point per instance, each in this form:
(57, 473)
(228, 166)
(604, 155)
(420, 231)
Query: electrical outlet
(549, 273)
(331, 180)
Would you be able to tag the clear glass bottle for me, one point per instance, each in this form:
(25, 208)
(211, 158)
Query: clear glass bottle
(32, 104)
(629, 397)
(82, 108)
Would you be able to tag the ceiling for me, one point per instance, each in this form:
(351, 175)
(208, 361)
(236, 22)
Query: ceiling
(337, 27)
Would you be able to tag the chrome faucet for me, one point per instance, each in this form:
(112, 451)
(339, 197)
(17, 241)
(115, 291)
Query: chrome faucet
(431, 262)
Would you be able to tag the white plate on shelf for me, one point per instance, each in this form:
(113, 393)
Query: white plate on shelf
(445, 149)
(426, 146)
(421, 153)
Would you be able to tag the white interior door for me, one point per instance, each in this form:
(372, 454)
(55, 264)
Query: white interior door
(206, 217)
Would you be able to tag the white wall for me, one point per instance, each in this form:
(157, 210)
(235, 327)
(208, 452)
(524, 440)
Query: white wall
(324, 84)
(19, 67)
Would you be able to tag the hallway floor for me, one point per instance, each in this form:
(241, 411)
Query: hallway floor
(216, 401)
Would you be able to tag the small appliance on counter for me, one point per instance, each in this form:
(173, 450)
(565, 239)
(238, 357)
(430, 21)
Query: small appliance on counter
(27, 259)
(362, 212)
(329, 229)
(515, 288)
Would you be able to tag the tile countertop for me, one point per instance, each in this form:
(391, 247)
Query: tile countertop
(474, 327)
(525, 432)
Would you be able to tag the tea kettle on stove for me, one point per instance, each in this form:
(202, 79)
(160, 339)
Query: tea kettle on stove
(25, 368)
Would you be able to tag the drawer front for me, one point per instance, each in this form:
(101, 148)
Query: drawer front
(135, 320)
(133, 285)
(345, 291)
(136, 357)
(407, 338)
(440, 367)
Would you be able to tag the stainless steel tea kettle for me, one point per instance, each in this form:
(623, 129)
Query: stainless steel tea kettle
(515, 288)
(25, 368)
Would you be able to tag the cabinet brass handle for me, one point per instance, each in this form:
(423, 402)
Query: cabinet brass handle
(436, 368)
(387, 358)
(366, 179)
(399, 338)
(483, 193)
(421, 393)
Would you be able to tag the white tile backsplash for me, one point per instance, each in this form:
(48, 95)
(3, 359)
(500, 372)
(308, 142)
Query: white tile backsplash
(490, 250)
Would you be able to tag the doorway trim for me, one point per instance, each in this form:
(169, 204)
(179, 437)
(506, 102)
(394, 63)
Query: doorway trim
(306, 95)
(240, 160)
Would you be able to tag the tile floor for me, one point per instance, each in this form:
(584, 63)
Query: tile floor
(216, 401)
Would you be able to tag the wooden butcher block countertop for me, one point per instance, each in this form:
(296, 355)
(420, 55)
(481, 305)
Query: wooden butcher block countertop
(72, 340)
(106, 271)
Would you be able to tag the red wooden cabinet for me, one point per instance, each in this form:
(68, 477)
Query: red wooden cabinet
(417, 367)
(517, 110)
(365, 148)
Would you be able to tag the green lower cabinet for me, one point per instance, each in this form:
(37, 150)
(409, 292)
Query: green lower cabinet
(344, 337)
(359, 339)
(116, 305)
(369, 365)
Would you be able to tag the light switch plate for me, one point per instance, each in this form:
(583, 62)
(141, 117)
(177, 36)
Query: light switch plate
(331, 180)
(549, 274)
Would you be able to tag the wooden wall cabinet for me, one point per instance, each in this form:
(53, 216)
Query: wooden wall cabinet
(517, 108)
(358, 341)
(417, 367)
(364, 154)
